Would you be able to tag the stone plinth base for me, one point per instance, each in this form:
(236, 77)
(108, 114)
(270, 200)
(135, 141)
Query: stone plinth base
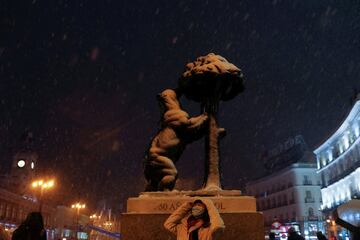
(147, 213)
(135, 226)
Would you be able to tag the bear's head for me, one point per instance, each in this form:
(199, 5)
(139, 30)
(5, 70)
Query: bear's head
(168, 100)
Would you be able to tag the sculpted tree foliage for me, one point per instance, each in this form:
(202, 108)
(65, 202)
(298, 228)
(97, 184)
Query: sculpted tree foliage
(208, 80)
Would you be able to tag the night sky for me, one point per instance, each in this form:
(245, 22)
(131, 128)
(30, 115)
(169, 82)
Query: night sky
(83, 77)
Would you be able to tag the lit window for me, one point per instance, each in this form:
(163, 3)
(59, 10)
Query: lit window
(323, 161)
(346, 141)
(356, 130)
(341, 148)
(318, 163)
(342, 195)
(32, 165)
(330, 155)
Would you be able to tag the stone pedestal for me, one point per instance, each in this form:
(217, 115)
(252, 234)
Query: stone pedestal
(147, 213)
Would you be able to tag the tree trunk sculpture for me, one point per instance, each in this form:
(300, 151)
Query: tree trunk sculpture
(208, 80)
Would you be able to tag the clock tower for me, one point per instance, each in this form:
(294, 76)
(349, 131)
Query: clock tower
(23, 166)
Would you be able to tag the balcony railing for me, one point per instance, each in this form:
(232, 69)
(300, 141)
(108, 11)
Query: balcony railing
(309, 200)
(342, 175)
(307, 182)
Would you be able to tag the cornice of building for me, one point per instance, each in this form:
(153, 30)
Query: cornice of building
(282, 171)
(341, 156)
(343, 127)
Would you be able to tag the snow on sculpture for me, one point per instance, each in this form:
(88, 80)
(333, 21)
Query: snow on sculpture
(177, 130)
(208, 80)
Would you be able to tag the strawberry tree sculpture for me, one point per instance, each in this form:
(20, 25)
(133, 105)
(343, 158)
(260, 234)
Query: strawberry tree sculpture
(208, 80)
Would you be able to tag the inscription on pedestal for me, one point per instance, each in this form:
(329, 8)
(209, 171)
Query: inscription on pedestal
(167, 206)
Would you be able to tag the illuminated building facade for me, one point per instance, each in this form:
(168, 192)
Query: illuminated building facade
(289, 192)
(290, 196)
(338, 163)
(14, 209)
(60, 221)
(18, 199)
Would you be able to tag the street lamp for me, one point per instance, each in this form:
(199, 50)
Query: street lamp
(94, 216)
(78, 206)
(42, 185)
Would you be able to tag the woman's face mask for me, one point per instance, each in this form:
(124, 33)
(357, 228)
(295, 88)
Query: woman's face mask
(197, 211)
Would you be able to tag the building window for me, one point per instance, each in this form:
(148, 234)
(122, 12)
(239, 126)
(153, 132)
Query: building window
(333, 170)
(308, 197)
(330, 155)
(352, 138)
(273, 203)
(2, 210)
(311, 212)
(285, 199)
(8, 211)
(323, 179)
(341, 147)
(323, 160)
(279, 203)
(14, 213)
(21, 213)
(341, 167)
(307, 180)
(292, 198)
(356, 130)
(346, 141)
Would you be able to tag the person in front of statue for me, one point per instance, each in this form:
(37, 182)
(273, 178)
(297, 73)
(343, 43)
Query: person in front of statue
(293, 235)
(31, 229)
(196, 220)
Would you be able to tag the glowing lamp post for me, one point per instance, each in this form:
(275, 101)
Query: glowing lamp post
(95, 218)
(43, 186)
(108, 225)
(78, 207)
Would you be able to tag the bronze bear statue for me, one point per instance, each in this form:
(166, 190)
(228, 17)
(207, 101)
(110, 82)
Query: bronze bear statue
(176, 131)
